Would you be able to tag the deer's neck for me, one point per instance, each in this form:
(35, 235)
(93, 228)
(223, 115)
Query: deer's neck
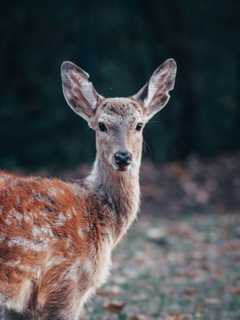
(122, 191)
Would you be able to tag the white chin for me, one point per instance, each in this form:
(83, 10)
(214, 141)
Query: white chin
(121, 168)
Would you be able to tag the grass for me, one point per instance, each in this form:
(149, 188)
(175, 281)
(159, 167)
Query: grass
(175, 269)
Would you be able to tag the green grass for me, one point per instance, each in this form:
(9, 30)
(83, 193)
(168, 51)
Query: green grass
(182, 268)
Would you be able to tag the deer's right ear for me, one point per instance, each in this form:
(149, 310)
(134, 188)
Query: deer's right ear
(155, 94)
(79, 91)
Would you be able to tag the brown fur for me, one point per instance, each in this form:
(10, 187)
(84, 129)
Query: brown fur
(56, 237)
(45, 228)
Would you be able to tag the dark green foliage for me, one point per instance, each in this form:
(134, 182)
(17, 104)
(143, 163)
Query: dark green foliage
(119, 43)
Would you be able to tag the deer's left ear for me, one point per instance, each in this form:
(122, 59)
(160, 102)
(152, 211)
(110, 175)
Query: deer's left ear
(78, 91)
(155, 94)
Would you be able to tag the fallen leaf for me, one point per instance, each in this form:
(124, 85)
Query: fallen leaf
(231, 246)
(234, 290)
(176, 316)
(109, 292)
(114, 306)
(190, 292)
(137, 317)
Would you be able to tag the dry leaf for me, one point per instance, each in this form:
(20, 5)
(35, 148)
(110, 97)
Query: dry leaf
(176, 316)
(109, 292)
(114, 306)
(190, 292)
(234, 290)
(137, 317)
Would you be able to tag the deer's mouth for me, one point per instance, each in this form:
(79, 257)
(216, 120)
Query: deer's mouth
(123, 168)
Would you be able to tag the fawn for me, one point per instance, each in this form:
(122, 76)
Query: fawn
(56, 237)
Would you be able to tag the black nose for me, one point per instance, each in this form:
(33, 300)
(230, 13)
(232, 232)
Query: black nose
(123, 158)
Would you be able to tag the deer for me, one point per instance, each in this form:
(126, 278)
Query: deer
(57, 236)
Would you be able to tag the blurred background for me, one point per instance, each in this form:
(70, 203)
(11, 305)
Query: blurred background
(119, 43)
(191, 172)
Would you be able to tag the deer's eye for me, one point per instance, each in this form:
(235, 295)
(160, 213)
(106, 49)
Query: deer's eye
(139, 126)
(102, 127)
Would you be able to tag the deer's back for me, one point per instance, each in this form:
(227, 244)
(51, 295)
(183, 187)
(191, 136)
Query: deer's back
(49, 237)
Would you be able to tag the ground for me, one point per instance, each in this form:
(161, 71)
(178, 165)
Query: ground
(174, 268)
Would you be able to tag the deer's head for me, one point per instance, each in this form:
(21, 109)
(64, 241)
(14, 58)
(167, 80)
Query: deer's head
(118, 122)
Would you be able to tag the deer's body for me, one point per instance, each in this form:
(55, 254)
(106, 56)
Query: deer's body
(56, 238)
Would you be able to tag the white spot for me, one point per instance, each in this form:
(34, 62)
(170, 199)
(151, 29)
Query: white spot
(27, 218)
(42, 232)
(81, 233)
(54, 192)
(17, 264)
(69, 213)
(8, 221)
(87, 266)
(12, 264)
(20, 302)
(76, 189)
(26, 244)
(17, 215)
(61, 220)
(2, 179)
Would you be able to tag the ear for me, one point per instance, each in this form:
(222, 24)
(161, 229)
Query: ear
(155, 94)
(78, 91)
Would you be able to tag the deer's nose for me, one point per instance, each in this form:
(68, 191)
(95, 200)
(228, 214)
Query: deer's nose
(123, 158)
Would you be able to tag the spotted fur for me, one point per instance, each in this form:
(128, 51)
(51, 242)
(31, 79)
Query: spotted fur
(56, 237)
